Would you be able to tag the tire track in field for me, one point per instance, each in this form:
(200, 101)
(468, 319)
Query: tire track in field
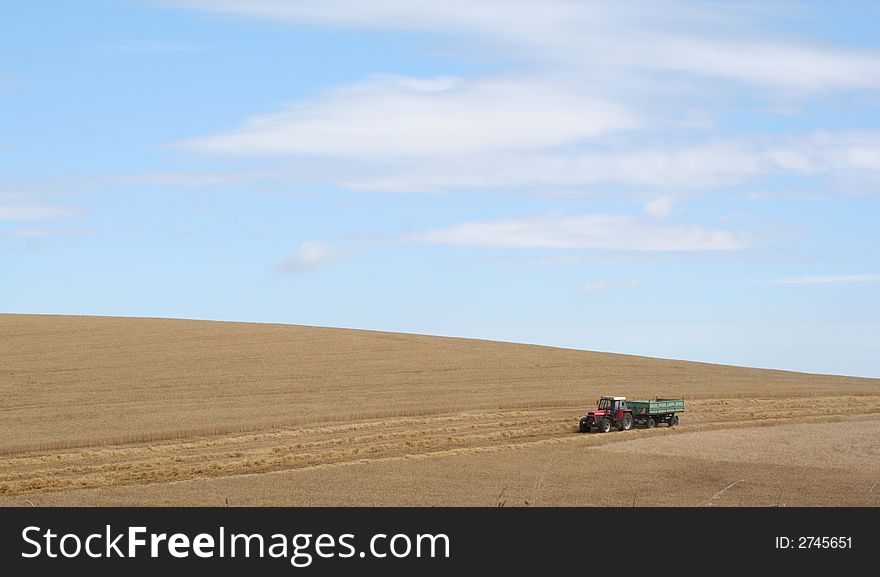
(338, 434)
(377, 440)
(268, 452)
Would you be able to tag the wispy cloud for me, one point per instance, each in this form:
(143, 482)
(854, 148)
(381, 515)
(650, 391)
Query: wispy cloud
(785, 195)
(844, 159)
(828, 279)
(40, 233)
(659, 208)
(594, 231)
(709, 39)
(604, 286)
(579, 107)
(15, 211)
(404, 117)
(16, 207)
(311, 255)
(437, 141)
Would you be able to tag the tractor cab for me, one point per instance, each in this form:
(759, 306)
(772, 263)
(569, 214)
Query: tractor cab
(612, 404)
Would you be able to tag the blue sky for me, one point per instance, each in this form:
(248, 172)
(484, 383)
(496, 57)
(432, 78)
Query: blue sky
(694, 180)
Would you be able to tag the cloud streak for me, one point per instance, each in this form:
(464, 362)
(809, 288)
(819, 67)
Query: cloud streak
(708, 39)
(828, 279)
(311, 255)
(38, 212)
(404, 117)
(594, 231)
(42, 233)
(604, 286)
(401, 134)
(582, 108)
(848, 160)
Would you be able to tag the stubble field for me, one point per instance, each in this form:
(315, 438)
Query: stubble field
(116, 411)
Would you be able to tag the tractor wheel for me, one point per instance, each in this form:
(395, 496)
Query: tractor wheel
(626, 422)
(673, 421)
(604, 426)
(584, 427)
(650, 423)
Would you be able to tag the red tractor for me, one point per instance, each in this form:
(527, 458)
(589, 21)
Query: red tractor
(610, 412)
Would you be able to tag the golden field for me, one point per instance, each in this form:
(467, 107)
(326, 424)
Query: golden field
(121, 411)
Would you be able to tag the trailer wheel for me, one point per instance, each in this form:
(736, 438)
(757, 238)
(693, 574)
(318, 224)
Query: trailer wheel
(604, 426)
(673, 421)
(626, 422)
(650, 423)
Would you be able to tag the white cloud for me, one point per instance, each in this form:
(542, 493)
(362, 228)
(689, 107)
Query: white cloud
(604, 286)
(659, 208)
(403, 117)
(37, 233)
(850, 161)
(828, 279)
(844, 158)
(650, 66)
(714, 40)
(595, 231)
(17, 211)
(786, 66)
(785, 195)
(311, 255)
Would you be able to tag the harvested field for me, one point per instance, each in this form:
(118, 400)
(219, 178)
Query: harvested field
(154, 411)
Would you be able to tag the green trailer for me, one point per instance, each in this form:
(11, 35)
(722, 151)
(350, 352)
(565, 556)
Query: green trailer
(652, 412)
